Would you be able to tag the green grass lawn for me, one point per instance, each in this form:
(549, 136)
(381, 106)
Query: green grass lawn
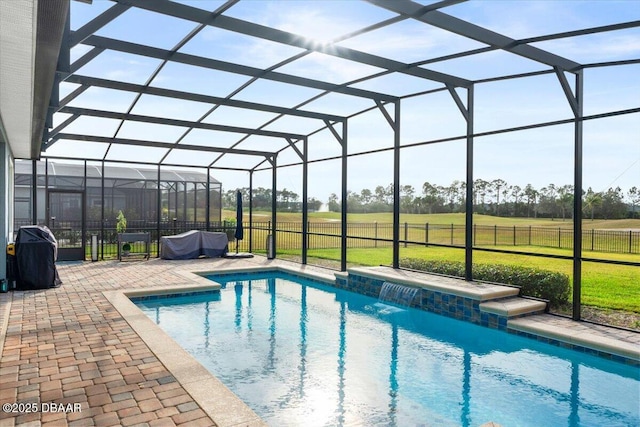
(603, 285)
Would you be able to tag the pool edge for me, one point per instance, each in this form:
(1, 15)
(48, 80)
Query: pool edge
(223, 406)
(214, 398)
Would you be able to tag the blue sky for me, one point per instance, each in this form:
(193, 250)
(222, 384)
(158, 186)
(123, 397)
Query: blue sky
(539, 157)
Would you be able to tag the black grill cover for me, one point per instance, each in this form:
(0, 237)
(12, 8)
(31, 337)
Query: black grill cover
(36, 252)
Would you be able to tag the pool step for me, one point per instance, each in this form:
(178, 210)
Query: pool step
(513, 307)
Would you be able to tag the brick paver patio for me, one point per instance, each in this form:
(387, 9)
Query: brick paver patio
(69, 346)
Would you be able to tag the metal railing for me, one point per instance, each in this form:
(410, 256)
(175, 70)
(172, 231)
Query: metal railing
(327, 235)
(371, 235)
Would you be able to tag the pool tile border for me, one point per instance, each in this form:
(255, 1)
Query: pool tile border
(584, 342)
(439, 302)
(369, 282)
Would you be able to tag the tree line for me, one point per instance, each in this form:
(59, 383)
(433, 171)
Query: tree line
(496, 197)
(285, 200)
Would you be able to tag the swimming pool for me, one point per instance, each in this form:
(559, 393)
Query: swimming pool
(303, 353)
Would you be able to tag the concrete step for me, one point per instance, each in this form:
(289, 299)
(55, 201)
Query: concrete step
(513, 307)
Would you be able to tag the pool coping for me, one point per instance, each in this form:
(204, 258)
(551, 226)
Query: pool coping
(223, 406)
(576, 339)
(473, 290)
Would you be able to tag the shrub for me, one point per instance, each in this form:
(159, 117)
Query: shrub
(121, 225)
(549, 285)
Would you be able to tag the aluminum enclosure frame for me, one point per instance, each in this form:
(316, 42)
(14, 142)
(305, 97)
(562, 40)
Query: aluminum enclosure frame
(335, 124)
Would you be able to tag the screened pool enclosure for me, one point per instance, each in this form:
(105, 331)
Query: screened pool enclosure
(335, 98)
(76, 199)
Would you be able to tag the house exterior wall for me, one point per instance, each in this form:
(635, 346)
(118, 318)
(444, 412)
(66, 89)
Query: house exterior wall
(6, 204)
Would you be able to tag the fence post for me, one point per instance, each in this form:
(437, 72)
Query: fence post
(514, 235)
(452, 234)
(495, 235)
(559, 238)
(426, 233)
(406, 234)
(375, 226)
(630, 239)
(529, 235)
(592, 238)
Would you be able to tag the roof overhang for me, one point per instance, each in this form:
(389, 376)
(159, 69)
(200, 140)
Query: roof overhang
(31, 33)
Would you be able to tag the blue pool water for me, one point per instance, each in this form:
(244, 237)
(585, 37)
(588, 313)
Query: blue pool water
(302, 353)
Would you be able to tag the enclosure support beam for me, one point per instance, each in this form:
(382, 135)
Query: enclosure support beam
(468, 233)
(566, 87)
(577, 197)
(474, 32)
(305, 214)
(456, 98)
(274, 201)
(175, 122)
(73, 95)
(60, 127)
(207, 209)
(342, 140)
(305, 204)
(250, 211)
(159, 209)
(102, 212)
(184, 201)
(84, 212)
(575, 100)
(278, 36)
(88, 81)
(46, 193)
(97, 23)
(34, 192)
(396, 187)
(343, 207)
(159, 144)
(395, 126)
(198, 61)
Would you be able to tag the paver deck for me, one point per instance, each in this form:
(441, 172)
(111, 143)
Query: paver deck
(70, 345)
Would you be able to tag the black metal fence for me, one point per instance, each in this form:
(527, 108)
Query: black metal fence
(327, 235)
(69, 232)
